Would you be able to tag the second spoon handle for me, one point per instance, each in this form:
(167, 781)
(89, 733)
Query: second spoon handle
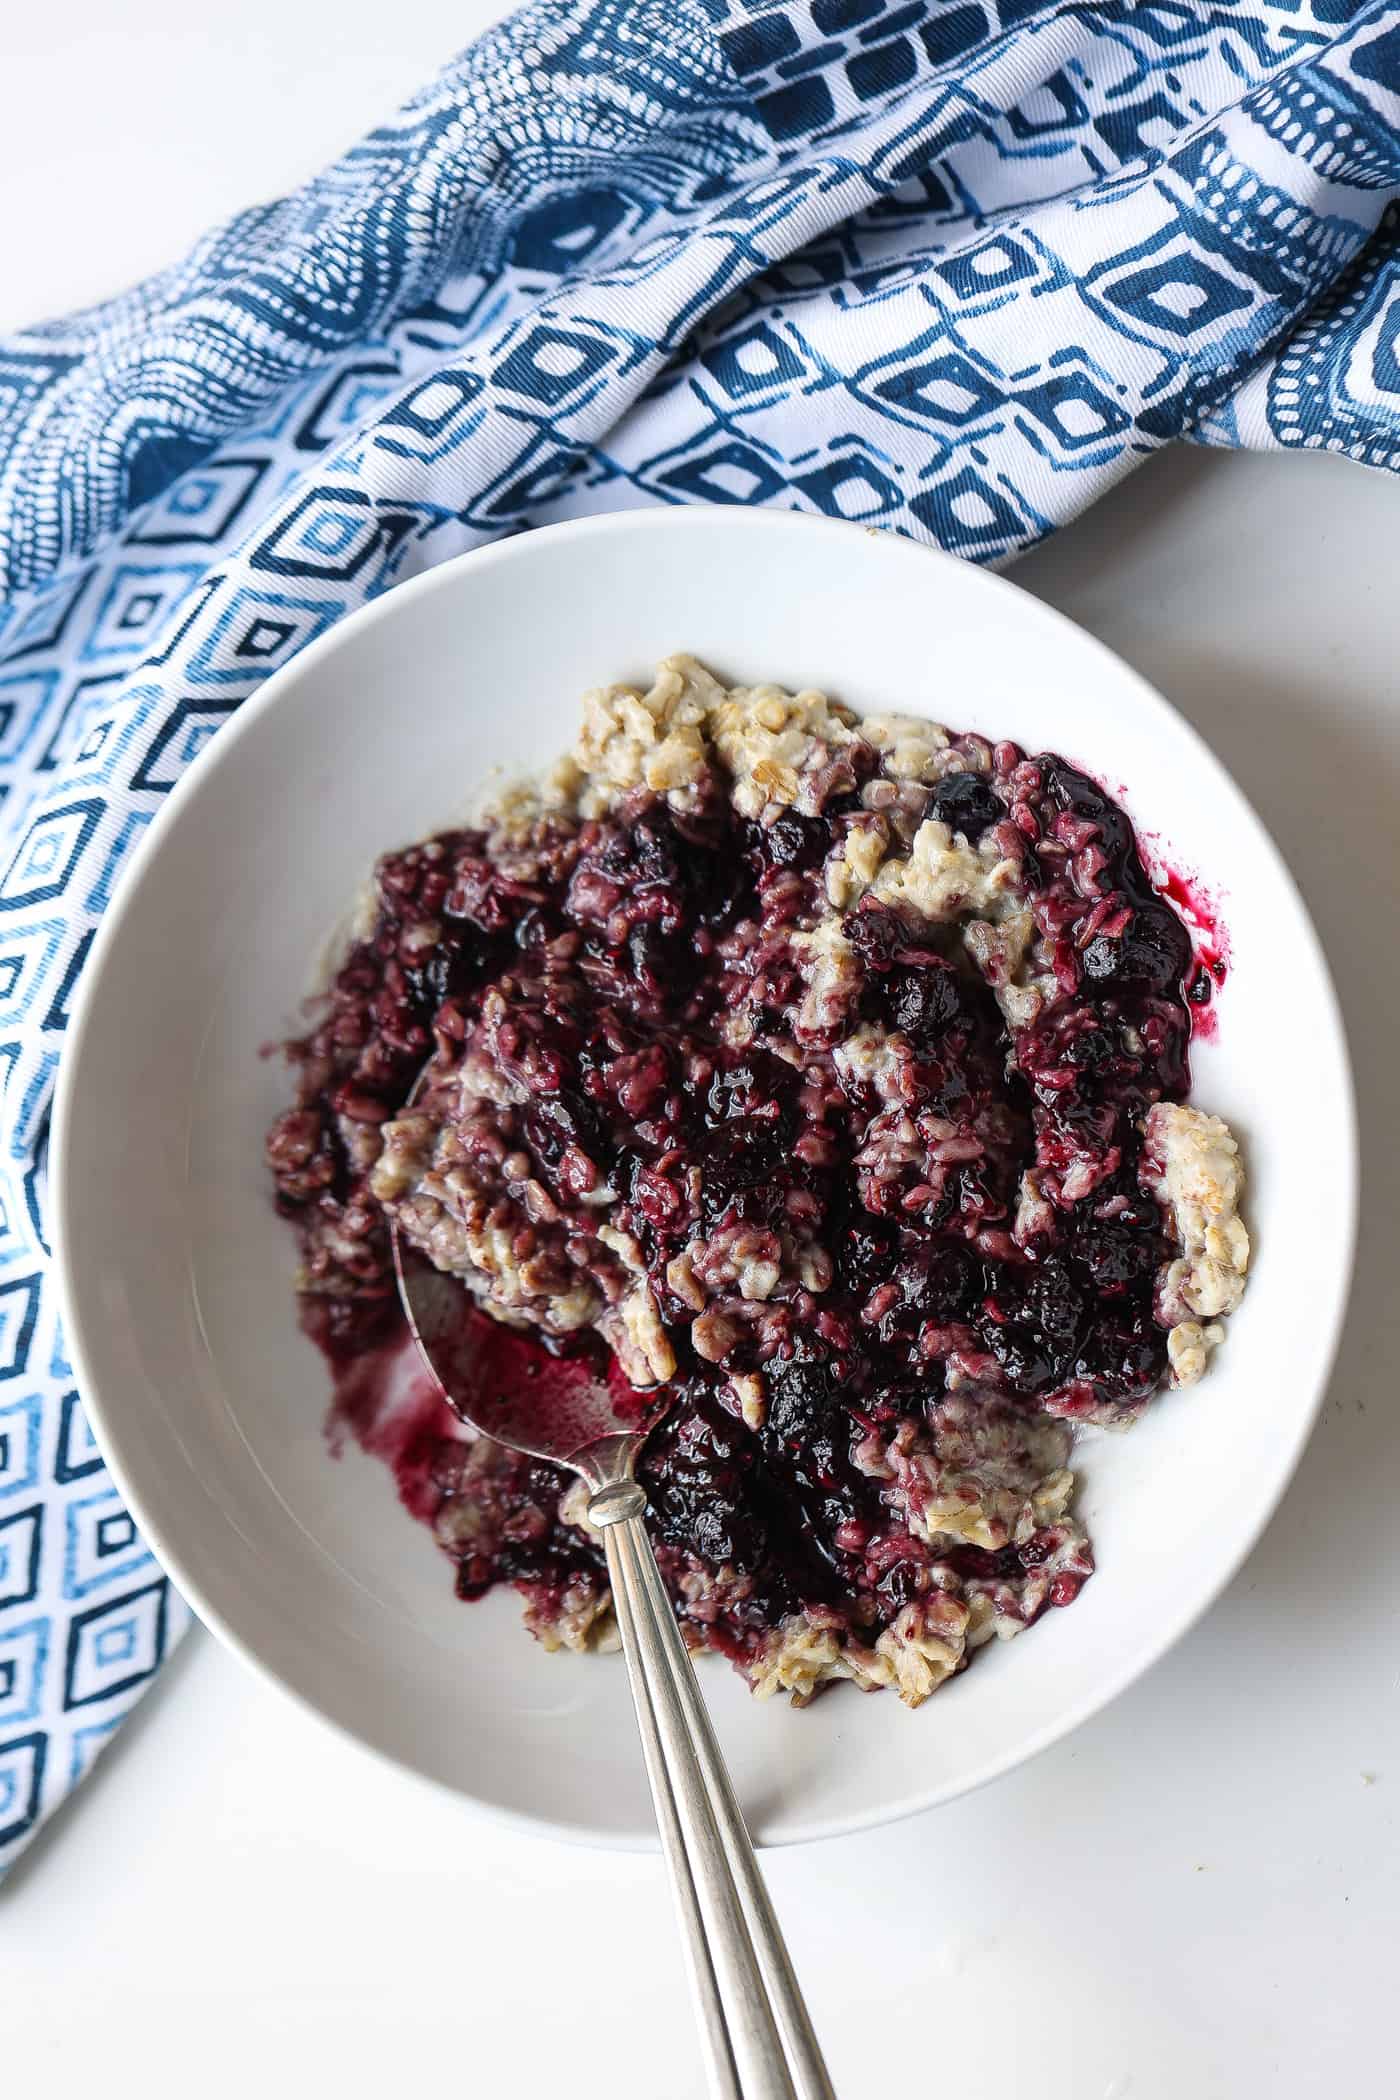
(772, 2051)
(723, 2074)
(804, 2056)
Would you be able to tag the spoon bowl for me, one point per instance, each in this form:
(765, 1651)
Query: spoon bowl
(505, 1384)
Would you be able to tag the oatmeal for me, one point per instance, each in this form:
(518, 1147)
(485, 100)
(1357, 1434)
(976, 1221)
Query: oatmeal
(831, 1074)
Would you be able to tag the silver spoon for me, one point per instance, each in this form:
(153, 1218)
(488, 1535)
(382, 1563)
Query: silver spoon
(758, 2038)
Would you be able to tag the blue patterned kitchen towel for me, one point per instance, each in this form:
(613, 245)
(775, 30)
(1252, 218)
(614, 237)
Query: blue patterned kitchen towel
(945, 267)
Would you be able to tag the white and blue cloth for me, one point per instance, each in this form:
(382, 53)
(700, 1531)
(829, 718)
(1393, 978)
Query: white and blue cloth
(944, 267)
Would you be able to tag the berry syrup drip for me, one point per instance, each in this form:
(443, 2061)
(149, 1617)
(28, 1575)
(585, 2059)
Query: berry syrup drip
(617, 949)
(502, 1382)
(1210, 942)
(385, 1398)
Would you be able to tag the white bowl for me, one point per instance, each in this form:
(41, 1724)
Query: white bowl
(177, 1276)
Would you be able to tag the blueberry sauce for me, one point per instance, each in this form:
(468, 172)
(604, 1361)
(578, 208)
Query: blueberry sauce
(597, 973)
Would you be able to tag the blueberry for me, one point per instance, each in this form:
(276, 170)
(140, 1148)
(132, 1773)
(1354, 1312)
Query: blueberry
(719, 1535)
(1090, 1049)
(655, 848)
(965, 803)
(720, 887)
(446, 974)
(693, 1511)
(793, 841)
(738, 1159)
(753, 1078)
(941, 1286)
(1068, 789)
(978, 1564)
(742, 1149)
(807, 1485)
(802, 1400)
(1052, 1301)
(1101, 961)
(1026, 1361)
(866, 1254)
(680, 858)
(1124, 1361)
(925, 1003)
(535, 928)
(1036, 1345)
(696, 1480)
(881, 938)
(1154, 953)
(427, 983)
(553, 1122)
(1116, 1253)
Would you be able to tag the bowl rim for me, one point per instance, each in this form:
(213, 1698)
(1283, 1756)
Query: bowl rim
(66, 1194)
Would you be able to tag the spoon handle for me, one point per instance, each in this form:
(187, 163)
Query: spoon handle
(723, 2080)
(759, 2037)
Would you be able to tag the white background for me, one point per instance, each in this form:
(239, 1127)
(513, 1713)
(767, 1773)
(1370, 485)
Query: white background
(1192, 1899)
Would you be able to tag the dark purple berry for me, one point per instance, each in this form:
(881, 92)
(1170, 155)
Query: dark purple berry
(1124, 1363)
(866, 1254)
(738, 1158)
(1154, 953)
(882, 938)
(554, 1122)
(696, 1479)
(793, 841)
(1027, 1362)
(656, 851)
(1116, 1253)
(941, 1285)
(1090, 1049)
(925, 1003)
(1051, 1300)
(802, 1399)
(1070, 790)
(965, 803)
(446, 974)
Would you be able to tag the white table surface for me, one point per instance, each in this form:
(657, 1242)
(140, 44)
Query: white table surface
(1192, 1899)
